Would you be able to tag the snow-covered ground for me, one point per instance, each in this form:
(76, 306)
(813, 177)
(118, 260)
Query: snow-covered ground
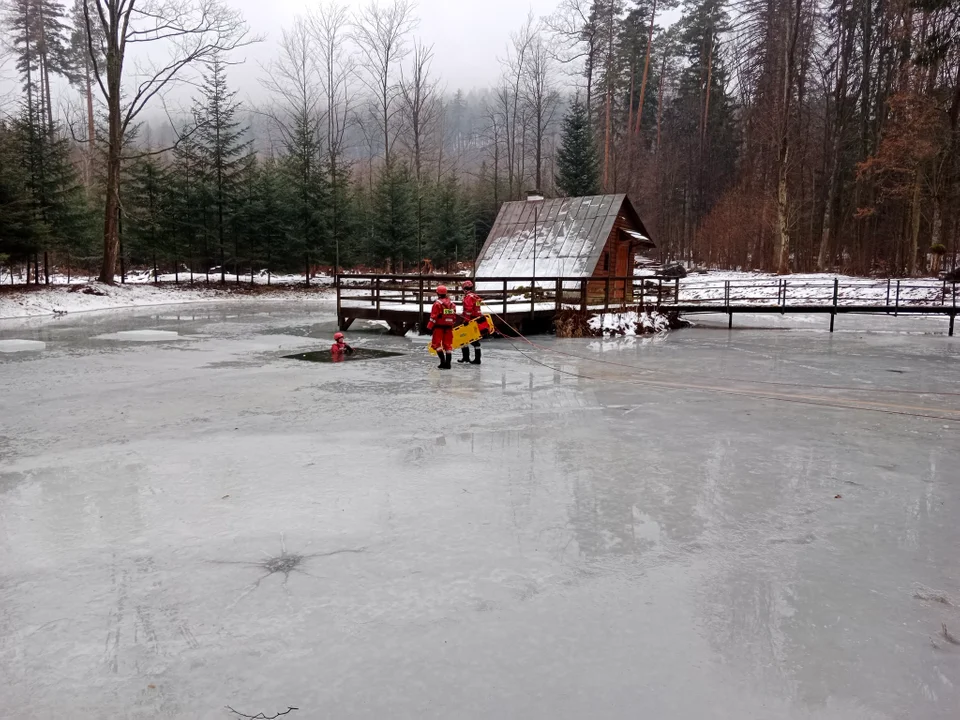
(629, 323)
(141, 277)
(58, 299)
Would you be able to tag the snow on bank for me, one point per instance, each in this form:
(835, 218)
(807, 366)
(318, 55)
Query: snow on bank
(629, 323)
(60, 299)
(145, 277)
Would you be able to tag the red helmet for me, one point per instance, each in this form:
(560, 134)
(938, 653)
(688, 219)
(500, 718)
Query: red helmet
(338, 336)
(468, 284)
(441, 289)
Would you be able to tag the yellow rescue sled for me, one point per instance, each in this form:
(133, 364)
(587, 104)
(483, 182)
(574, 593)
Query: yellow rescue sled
(471, 332)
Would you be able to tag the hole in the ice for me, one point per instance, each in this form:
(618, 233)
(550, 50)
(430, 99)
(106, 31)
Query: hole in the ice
(325, 356)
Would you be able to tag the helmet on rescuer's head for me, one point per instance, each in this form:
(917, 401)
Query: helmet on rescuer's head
(468, 284)
(338, 336)
(441, 290)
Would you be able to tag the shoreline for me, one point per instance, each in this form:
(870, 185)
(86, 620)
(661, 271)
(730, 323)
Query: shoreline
(54, 301)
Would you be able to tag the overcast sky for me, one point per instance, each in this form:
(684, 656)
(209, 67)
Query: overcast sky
(467, 35)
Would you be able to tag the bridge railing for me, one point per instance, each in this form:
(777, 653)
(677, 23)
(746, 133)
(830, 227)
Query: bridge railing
(500, 294)
(882, 294)
(526, 294)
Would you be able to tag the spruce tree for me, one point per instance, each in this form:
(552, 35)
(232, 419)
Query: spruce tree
(148, 198)
(225, 150)
(189, 200)
(450, 230)
(578, 171)
(17, 221)
(308, 189)
(38, 36)
(394, 216)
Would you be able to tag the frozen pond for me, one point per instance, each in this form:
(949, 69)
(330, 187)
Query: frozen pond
(754, 523)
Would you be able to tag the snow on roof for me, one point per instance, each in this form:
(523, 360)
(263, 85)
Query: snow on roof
(569, 235)
(640, 237)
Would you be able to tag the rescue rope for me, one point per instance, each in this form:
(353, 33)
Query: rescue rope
(905, 410)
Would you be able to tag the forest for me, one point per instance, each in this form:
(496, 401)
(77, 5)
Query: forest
(778, 135)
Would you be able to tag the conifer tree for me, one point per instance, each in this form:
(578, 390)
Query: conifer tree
(394, 216)
(225, 149)
(451, 227)
(578, 170)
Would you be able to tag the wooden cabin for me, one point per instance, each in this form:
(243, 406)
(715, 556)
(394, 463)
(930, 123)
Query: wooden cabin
(595, 236)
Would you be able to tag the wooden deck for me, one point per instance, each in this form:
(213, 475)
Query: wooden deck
(404, 301)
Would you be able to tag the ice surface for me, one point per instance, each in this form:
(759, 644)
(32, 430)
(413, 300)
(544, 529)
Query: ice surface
(13, 345)
(140, 336)
(629, 529)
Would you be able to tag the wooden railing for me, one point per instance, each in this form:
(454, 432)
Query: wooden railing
(513, 295)
(503, 294)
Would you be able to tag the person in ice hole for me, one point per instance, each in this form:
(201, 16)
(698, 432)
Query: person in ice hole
(339, 350)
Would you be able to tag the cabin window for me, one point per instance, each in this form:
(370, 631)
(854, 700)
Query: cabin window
(606, 261)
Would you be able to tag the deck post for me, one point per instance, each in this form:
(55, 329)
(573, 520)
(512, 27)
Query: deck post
(533, 296)
(897, 307)
(676, 291)
(836, 295)
(504, 299)
(606, 295)
(783, 301)
(378, 296)
(336, 281)
(888, 293)
(953, 317)
(558, 293)
(726, 303)
(583, 295)
(420, 304)
(659, 292)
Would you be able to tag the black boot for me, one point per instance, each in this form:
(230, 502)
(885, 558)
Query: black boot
(443, 360)
(448, 359)
(476, 357)
(466, 354)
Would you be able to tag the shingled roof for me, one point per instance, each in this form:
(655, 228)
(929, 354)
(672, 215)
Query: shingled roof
(570, 236)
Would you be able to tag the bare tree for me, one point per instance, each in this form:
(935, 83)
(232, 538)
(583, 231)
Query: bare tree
(381, 33)
(576, 41)
(421, 105)
(193, 30)
(540, 97)
(330, 26)
(514, 68)
(291, 79)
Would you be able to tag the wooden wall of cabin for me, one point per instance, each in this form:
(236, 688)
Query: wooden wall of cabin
(616, 260)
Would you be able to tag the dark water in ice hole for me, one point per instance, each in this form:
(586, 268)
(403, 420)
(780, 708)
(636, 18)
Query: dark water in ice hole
(324, 356)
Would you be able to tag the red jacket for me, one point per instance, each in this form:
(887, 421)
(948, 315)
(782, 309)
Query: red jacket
(444, 313)
(471, 306)
(340, 349)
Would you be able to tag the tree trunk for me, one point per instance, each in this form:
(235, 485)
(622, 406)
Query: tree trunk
(646, 67)
(111, 236)
(915, 215)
